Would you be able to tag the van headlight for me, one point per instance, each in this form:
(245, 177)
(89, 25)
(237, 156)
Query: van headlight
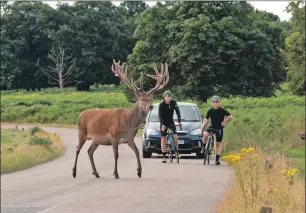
(152, 132)
(196, 132)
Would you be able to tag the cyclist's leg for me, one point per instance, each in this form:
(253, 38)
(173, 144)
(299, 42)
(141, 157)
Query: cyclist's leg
(163, 142)
(175, 137)
(219, 137)
(204, 140)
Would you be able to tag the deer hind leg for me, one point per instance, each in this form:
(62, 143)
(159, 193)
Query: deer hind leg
(91, 151)
(82, 140)
(116, 156)
(133, 146)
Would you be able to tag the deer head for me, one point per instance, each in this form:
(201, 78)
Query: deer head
(145, 98)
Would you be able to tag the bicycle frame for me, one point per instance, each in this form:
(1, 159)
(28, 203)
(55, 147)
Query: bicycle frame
(170, 145)
(209, 145)
(210, 141)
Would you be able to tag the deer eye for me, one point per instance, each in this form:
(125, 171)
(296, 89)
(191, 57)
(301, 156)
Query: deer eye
(142, 99)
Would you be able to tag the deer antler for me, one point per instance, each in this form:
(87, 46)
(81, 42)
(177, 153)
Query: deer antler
(162, 77)
(118, 70)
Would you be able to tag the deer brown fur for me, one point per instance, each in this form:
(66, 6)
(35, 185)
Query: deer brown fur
(115, 126)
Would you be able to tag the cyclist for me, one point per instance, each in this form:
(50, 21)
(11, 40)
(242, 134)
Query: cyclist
(165, 114)
(218, 117)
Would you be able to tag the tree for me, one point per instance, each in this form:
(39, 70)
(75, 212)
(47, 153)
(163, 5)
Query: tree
(62, 72)
(97, 33)
(295, 48)
(24, 38)
(223, 47)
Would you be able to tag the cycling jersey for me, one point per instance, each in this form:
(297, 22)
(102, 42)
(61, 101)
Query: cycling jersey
(165, 113)
(216, 117)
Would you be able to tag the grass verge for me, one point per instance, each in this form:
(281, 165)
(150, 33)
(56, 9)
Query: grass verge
(263, 180)
(21, 149)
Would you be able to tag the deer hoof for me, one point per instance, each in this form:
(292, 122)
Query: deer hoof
(73, 173)
(96, 174)
(116, 176)
(139, 172)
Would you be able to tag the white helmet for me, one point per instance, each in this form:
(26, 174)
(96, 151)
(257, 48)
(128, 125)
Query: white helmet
(216, 98)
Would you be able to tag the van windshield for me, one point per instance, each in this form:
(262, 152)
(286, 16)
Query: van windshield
(188, 113)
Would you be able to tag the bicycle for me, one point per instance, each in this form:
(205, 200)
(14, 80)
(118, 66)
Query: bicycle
(170, 145)
(209, 144)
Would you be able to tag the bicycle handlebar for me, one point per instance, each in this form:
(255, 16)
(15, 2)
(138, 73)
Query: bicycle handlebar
(212, 130)
(173, 126)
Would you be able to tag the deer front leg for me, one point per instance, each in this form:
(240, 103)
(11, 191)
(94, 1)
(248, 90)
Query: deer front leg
(115, 144)
(133, 146)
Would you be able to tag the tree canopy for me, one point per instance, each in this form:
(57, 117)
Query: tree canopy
(295, 48)
(228, 48)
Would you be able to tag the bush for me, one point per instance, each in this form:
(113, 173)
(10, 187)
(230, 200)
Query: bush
(35, 130)
(40, 141)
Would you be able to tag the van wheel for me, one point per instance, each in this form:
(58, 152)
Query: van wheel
(146, 154)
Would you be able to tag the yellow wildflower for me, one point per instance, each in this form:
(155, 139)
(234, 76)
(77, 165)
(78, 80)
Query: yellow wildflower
(247, 150)
(275, 190)
(243, 150)
(236, 159)
(250, 150)
(283, 171)
(255, 156)
(292, 171)
(240, 154)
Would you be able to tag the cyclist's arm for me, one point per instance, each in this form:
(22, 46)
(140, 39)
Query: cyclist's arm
(204, 123)
(160, 114)
(178, 113)
(205, 119)
(228, 116)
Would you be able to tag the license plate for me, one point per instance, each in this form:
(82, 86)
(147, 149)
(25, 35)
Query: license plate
(181, 141)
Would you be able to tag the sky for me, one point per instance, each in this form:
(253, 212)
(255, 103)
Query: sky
(276, 7)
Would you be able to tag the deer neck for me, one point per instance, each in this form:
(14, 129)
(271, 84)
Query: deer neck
(137, 115)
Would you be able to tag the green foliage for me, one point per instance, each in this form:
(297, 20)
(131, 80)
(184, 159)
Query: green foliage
(212, 47)
(268, 122)
(40, 141)
(224, 48)
(96, 31)
(35, 130)
(295, 48)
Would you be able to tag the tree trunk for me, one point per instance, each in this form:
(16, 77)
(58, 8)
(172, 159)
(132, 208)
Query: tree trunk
(61, 84)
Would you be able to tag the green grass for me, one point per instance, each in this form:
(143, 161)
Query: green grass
(271, 123)
(17, 151)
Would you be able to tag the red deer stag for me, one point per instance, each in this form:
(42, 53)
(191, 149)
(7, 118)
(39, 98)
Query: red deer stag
(115, 126)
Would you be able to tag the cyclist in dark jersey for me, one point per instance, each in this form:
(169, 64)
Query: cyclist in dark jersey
(218, 117)
(165, 114)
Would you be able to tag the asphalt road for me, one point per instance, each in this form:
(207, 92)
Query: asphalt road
(188, 187)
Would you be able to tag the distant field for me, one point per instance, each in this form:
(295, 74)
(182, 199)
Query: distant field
(272, 123)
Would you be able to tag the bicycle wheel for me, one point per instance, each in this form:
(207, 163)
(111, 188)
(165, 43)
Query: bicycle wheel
(208, 157)
(177, 156)
(170, 153)
(209, 149)
(205, 154)
(206, 151)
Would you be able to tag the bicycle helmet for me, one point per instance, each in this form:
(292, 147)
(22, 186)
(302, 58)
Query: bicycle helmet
(168, 93)
(216, 98)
